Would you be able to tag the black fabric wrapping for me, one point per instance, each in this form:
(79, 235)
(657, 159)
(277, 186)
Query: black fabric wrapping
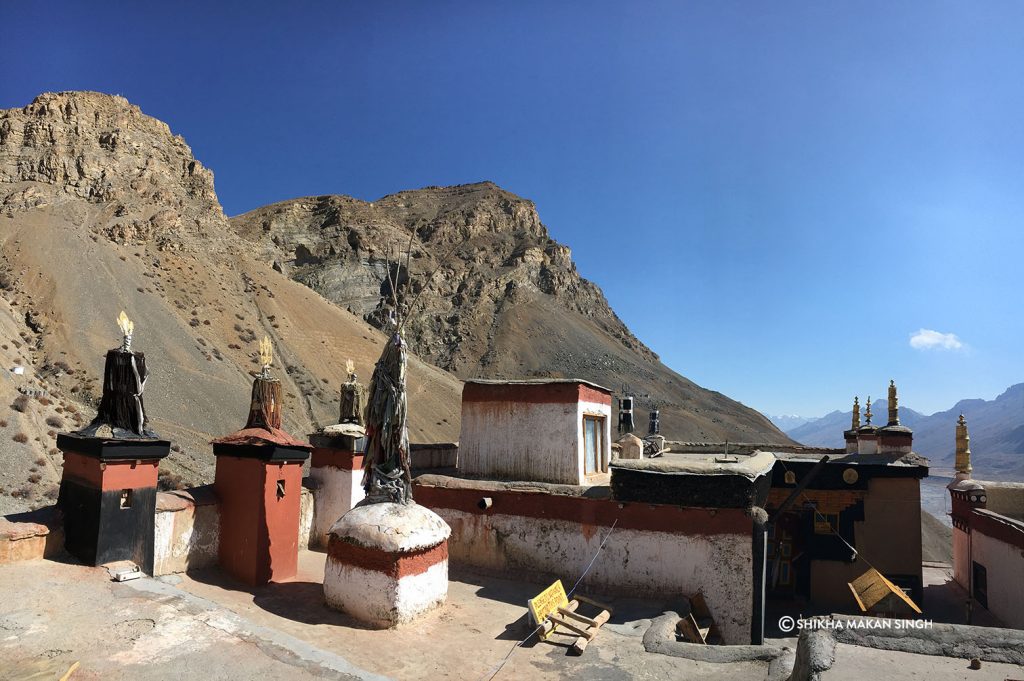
(121, 406)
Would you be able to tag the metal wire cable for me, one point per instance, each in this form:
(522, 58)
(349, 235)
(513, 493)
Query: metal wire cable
(834, 531)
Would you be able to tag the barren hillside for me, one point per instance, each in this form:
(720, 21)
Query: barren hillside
(506, 302)
(103, 209)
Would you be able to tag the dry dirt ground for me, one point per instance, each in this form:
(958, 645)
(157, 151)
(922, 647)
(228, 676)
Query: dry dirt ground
(203, 626)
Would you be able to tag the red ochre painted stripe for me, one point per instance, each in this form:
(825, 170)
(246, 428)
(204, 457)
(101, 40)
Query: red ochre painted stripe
(107, 476)
(327, 457)
(589, 512)
(543, 393)
(588, 394)
(394, 565)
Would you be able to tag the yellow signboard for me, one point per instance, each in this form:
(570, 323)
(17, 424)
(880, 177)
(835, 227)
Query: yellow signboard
(547, 602)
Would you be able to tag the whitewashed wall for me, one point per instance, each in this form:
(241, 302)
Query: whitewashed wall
(521, 441)
(1004, 567)
(961, 562)
(538, 442)
(336, 491)
(187, 534)
(658, 565)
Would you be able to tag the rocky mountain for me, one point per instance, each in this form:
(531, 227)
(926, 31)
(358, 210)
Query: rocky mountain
(996, 427)
(827, 431)
(506, 300)
(102, 208)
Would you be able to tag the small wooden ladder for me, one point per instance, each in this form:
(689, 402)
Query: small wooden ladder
(584, 627)
(699, 626)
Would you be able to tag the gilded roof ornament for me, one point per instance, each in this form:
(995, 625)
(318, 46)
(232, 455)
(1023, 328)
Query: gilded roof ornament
(266, 356)
(127, 327)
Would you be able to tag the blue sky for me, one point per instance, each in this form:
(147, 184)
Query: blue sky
(776, 197)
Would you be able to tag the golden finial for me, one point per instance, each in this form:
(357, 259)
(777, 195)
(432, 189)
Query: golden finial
(127, 327)
(855, 424)
(266, 354)
(867, 414)
(963, 449)
(350, 369)
(894, 413)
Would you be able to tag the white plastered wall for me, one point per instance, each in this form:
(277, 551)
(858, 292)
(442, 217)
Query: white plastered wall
(377, 599)
(1004, 569)
(632, 562)
(961, 562)
(531, 441)
(336, 493)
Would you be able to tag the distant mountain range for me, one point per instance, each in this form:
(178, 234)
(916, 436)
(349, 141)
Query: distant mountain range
(996, 428)
(788, 422)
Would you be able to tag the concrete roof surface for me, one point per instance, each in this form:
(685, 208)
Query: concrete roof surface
(537, 381)
(750, 467)
(206, 626)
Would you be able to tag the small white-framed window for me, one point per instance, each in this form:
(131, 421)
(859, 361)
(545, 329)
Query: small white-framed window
(594, 460)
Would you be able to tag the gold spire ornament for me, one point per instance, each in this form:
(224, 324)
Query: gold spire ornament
(867, 414)
(894, 412)
(963, 449)
(127, 327)
(266, 356)
(265, 404)
(855, 423)
(353, 398)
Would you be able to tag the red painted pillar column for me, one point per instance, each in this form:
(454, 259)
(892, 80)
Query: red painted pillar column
(260, 489)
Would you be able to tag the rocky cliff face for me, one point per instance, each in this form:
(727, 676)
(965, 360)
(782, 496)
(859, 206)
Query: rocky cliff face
(505, 300)
(90, 147)
(103, 209)
(488, 247)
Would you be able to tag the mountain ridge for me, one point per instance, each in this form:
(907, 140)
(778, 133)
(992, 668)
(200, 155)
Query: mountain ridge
(501, 281)
(103, 208)
(996, 428)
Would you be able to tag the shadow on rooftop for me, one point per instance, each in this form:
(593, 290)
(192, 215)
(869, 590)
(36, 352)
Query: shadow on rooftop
(946, 601)
(298, 601)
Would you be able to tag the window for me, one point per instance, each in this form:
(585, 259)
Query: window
(981, 584)
(126, 498)
(593, 445)
(826, 523)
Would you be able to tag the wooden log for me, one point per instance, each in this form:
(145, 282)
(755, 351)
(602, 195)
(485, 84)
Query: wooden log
(571, 627)
(581, 618)
(579, 645)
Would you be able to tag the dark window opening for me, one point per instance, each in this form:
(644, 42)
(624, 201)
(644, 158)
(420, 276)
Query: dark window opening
(126, 498)
(280, 489)
(980, 584)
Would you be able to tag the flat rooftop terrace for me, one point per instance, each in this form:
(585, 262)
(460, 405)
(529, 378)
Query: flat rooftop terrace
(203, 625)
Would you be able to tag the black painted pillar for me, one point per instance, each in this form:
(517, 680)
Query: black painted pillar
(759, 546)
(108, 498)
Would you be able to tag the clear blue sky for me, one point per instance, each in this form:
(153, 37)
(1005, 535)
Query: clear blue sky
(773, 195)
